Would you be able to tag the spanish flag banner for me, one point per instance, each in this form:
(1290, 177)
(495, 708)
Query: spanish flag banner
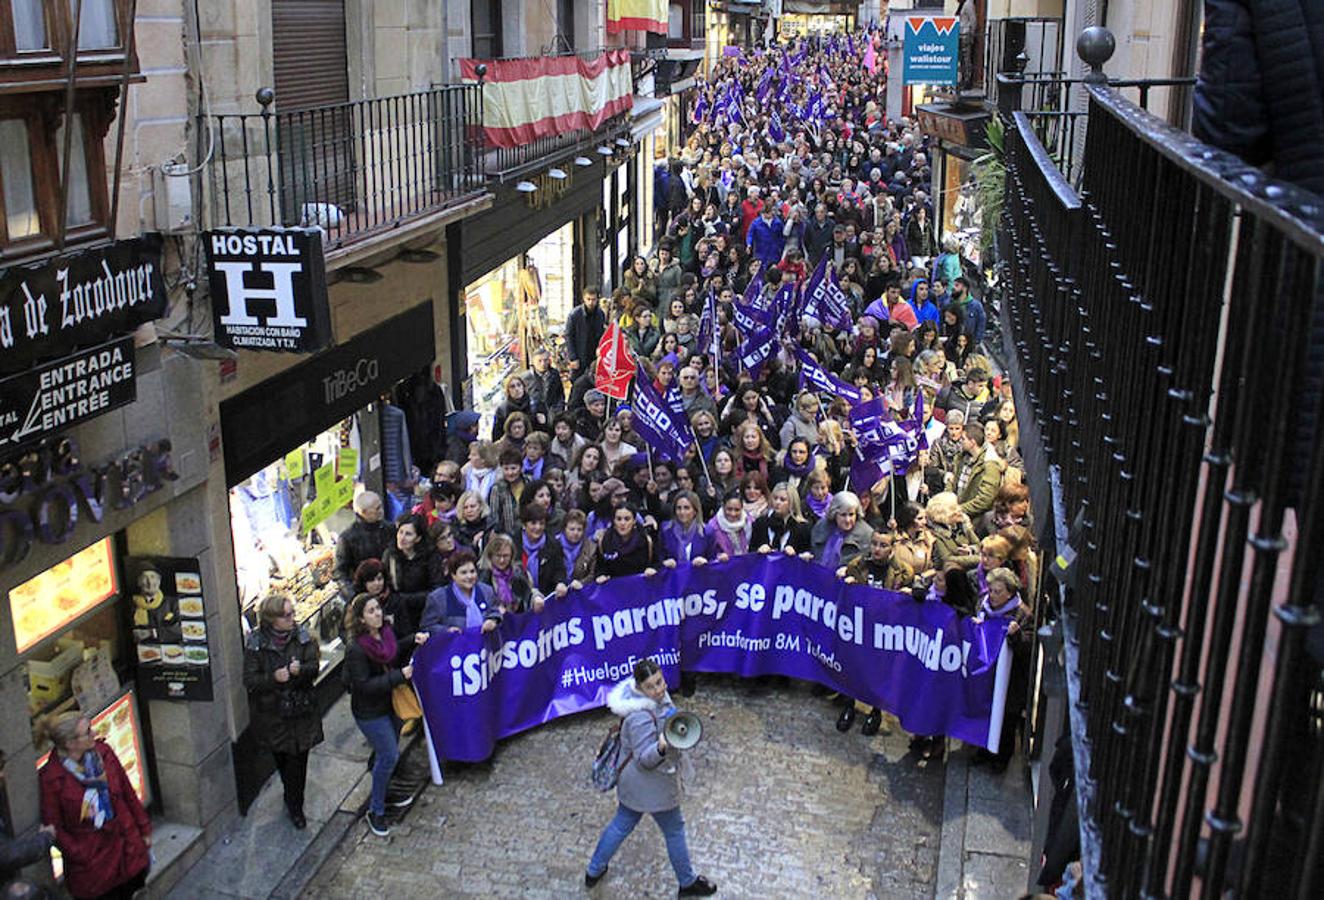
(636, 15)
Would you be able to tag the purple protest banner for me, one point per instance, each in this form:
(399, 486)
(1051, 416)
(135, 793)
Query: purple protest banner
(754, 615)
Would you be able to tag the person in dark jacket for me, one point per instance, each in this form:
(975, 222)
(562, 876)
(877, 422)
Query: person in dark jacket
(783, 529)
(818, 234)
(583, 330)
(280, 668)
(546, 389)
(375, 665)
(511, 589)
(461, 431)
(518, 400)
(367, 538)
(1260, 92)
(413, 567)
(625, 548)
(370, 578)
(539, 554)
(88, 801)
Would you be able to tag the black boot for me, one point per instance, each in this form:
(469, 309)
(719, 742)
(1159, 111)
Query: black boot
(847, 719)
(872, 722)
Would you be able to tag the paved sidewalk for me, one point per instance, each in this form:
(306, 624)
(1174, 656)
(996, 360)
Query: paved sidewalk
(985, 831)
(263, 855)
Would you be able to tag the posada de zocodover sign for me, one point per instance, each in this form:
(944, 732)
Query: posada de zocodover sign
(754, 615)
(268, 289)
(63, 304)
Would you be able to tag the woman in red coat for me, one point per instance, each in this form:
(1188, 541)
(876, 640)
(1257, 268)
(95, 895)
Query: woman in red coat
(100, 825)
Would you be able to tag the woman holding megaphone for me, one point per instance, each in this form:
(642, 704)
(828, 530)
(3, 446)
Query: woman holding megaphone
(650, 781)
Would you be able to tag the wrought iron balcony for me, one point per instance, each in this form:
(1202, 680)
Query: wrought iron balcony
(1162, 333)
(354, 169)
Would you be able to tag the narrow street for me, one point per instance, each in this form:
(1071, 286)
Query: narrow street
(784, 806)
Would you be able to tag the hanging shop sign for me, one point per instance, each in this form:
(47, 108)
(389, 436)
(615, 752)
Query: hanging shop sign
(931, 49)
(954, 125)
(268, 289)
(264, 422)
(168, 620)
(55, 395)
(44, 491)
(71, 301)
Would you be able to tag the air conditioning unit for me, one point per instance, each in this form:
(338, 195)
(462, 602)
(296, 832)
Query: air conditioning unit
(172, 189)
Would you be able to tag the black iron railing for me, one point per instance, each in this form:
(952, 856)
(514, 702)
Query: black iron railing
(354, 169)
(1162, 322)
(1028, 45)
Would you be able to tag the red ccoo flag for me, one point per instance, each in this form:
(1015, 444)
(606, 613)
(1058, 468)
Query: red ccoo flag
(615, 364)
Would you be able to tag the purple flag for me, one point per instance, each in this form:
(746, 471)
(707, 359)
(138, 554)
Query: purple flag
(881, 440)
(655, 422)
(817, 378)
(775, 129)
(756, 350)
(748, 318)
(754, 293)
(751, 616)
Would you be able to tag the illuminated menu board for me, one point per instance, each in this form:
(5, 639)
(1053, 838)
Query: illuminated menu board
(47, 603)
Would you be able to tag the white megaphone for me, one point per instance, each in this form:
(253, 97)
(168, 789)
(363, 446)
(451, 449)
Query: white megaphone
(683, 730)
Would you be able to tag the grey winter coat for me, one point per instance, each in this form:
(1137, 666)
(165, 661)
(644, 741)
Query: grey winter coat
(798, 426)
(650, 782)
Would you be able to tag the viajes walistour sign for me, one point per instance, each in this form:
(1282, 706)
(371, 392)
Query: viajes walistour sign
(70, 390)
(753, 615)
(53, 308)
(932, 49)
(268, 289)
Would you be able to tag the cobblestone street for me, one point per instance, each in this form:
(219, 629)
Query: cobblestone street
(784, 806)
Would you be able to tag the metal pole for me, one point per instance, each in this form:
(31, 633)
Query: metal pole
(119, 130)
(70, 77)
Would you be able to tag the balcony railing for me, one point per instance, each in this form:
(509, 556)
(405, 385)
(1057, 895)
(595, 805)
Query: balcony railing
(354, 169)
(1161, 324)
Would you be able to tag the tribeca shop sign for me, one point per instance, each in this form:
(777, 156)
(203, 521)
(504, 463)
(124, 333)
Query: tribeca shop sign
(268, 289)
(55, 395)
(44, 491)
(71, 301)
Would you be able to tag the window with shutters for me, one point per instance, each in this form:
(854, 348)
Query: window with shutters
(485, 27)
(36, 36)
(32, 135)
(316, 124)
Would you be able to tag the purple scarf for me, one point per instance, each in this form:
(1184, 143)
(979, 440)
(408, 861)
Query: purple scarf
(818, 507)
(380, 649)
(571, 553)
(803, 469)
(832, 549)
(531, 550)
(501, 582)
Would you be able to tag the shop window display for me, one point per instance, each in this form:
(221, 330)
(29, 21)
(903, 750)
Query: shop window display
(76, 653)
(513, 310)
(285, 519)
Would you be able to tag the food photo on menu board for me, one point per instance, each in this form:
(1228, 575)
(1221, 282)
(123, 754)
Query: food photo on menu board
(169, 627)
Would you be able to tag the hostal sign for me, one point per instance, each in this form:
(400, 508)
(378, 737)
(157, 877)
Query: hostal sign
(268, 289)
